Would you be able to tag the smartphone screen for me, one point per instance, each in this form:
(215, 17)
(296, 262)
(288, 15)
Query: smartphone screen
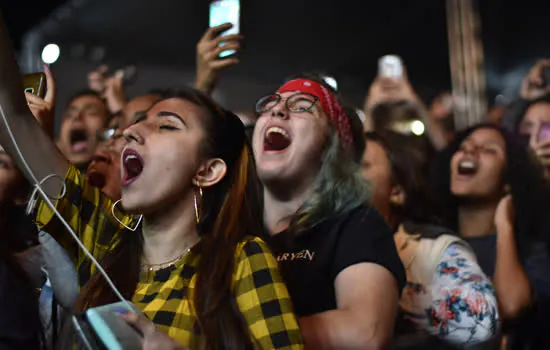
(544, 132)
(226, 11)
(390, 66)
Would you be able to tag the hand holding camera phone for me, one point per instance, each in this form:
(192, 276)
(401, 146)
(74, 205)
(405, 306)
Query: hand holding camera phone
(39, 91)
(226, 11)
(219, 45)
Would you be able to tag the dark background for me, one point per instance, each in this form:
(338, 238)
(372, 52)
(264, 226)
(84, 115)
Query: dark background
(344, 38)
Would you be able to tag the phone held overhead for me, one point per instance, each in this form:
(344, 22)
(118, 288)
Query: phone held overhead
(390, 66)
(35, 84)
(226, 11)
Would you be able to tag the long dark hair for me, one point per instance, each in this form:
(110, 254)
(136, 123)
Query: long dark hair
(528, 190)
(229, 212)
(406, 163)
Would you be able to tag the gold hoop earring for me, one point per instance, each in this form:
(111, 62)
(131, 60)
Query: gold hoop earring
(133, 229)
(197, 209)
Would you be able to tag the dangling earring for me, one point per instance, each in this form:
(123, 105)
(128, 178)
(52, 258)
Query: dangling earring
(197, 209)
(133, 229)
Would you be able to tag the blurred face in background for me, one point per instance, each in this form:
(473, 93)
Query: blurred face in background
(104, 171)
(478, 167)
(83, 118)
(376, 168)
(534, 116)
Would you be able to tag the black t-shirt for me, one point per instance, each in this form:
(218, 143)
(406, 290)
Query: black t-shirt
(311, 260)
(485, 249)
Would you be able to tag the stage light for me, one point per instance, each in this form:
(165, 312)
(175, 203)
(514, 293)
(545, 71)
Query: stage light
(417, 127)
(331, 81)
(50, 53)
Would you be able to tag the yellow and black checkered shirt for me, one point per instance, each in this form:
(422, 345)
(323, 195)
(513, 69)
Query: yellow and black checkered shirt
(166, 296)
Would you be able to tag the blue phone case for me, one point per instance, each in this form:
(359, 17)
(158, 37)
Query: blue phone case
(103, 328)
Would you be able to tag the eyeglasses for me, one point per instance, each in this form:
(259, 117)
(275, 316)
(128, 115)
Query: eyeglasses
(108, 134)
(297, 103)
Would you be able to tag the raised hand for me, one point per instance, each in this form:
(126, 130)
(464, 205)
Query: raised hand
(533, 85)
(390, 90)
(110, 88)
(504, 215)
(209, 64)
(42, 109)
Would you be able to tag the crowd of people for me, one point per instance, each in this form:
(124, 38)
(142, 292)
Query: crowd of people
(301, 226)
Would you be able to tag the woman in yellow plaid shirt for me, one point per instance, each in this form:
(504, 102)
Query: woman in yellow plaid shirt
(192, 266)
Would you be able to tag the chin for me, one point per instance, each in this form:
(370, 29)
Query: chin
(269, 174)
(132, 204)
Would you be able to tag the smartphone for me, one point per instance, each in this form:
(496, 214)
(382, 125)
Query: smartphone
(544, 132)
(35, 84)
(390, 66)
(226, 11)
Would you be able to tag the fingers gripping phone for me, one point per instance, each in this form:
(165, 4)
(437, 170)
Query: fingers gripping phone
(226, 11)
(35, 84)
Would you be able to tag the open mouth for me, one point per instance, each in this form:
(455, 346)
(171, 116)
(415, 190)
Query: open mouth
(96, 178)
(133, 166)
(467, 167)
(276, 139)
(79, 141)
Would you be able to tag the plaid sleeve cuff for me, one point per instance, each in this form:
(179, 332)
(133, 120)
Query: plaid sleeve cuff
(263, 299)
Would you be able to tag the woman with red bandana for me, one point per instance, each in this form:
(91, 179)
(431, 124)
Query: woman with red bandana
(337, 254)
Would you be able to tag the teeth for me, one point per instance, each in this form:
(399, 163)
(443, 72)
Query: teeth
(129, 157)
(467, 164)
(275, 129)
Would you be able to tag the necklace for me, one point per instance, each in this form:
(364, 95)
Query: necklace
(156, 267)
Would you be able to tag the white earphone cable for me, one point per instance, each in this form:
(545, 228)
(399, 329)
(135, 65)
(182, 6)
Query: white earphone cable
(38, 189)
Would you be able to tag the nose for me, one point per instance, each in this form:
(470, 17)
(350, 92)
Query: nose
(133, 134)
(470, 149)
(280, 110)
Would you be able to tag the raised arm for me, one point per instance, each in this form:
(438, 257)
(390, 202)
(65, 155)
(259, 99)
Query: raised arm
(27, 143)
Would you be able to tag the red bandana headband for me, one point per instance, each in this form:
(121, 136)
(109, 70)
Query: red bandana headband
(331, 106)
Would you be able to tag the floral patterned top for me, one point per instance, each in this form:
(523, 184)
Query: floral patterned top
(462, 308)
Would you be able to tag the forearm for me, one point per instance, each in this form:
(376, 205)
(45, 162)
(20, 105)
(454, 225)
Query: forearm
(341, 329)
(205, 86)
(510, 280)
(19, 131)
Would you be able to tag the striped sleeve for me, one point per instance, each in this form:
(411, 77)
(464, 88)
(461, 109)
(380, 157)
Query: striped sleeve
(263, 299)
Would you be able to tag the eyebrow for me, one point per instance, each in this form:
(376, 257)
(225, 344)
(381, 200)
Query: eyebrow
(165, 114)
